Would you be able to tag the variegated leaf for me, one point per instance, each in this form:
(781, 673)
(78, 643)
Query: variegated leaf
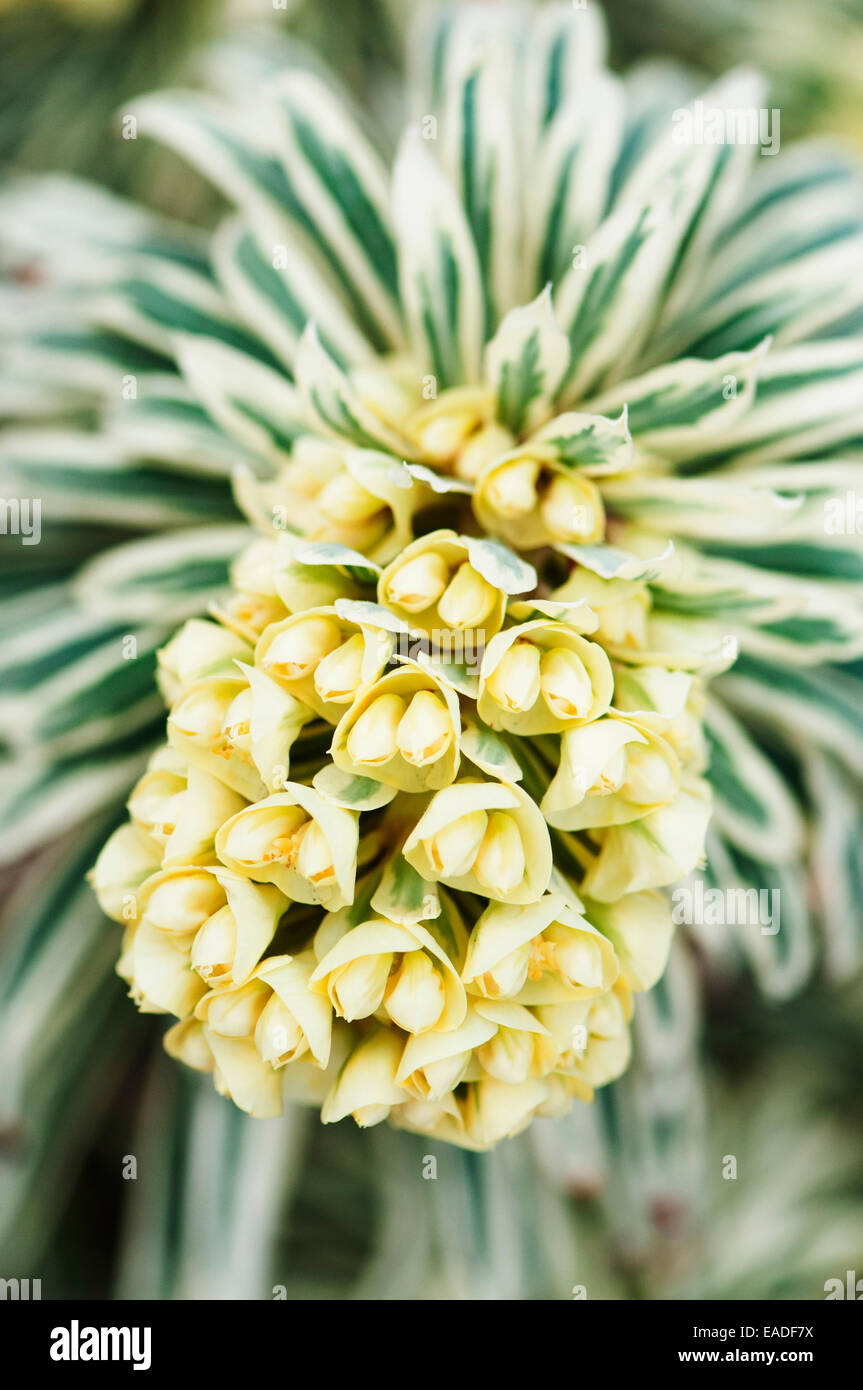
(525, 363)
(478, 145)
(700, 508)
(501, 566)
(573, 163)
(254, 404)
(151, 306)
(331, 399)
(607, 301)
(836, 858)
(593, 444)
(84, 477)
(565, 46)
(225, 146)
(164, 421)
(609, 562)
(822, 706)
(674, 411)
(161, 578)
(277, 288)
(439, 274)
(807, 403)
(754, 806)
(341, 185)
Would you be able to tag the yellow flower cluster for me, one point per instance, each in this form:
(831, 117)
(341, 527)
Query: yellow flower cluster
(400, 881)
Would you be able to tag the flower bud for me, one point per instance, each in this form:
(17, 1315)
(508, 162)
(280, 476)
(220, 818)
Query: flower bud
(467, 599)
(199, 716)
(296, 651)
(419, 583)
(356, 990)
(181, 902)
(234, 1013)
(314, 858)
(240, 1075)
(508, 1056)
(338, 674)
(650, 779)
(612, 775)
(374, 737)
(278, 1037)
(313, 463)
(624, 624)
(273, 834)
(507, 976)
(186, 1042)
(607, 1016)
(274, 842)
(156, 966)
(496, 1110)
(485, 444)
(511, 490)
(515, 683)
(440, 438)
(366, 1086)
(446, 840)
(346, 501)
(572, 509)
(499, 863)
(434, 1062)
(565, 684)
(416, 996)
(425, 731)
(124, 862)
(156, 803)
(236, 724)
(437, 1079)
(297, 1021)
(576, 957)
(200, 648)
(454, 848)
(402, 730)
(665, 844)
(214, 945)
(541, 676)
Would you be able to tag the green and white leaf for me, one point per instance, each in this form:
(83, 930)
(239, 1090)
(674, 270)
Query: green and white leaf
(342, 186)
(754, 806)
(594, 444)
(86, 477)
(160, 578)
(331, 401)
(501, 566)
(278, 288)
(574, 161)
(253, 404)
(165, 422)
(610, 562)
(525, 363)
(675, 410)
(439, 274)
(479, 152)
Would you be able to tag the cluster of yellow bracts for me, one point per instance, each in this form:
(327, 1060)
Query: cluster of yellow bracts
(400, 886)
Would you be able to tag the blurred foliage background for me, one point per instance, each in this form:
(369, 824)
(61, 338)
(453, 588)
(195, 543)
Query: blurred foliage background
(630, 1199)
